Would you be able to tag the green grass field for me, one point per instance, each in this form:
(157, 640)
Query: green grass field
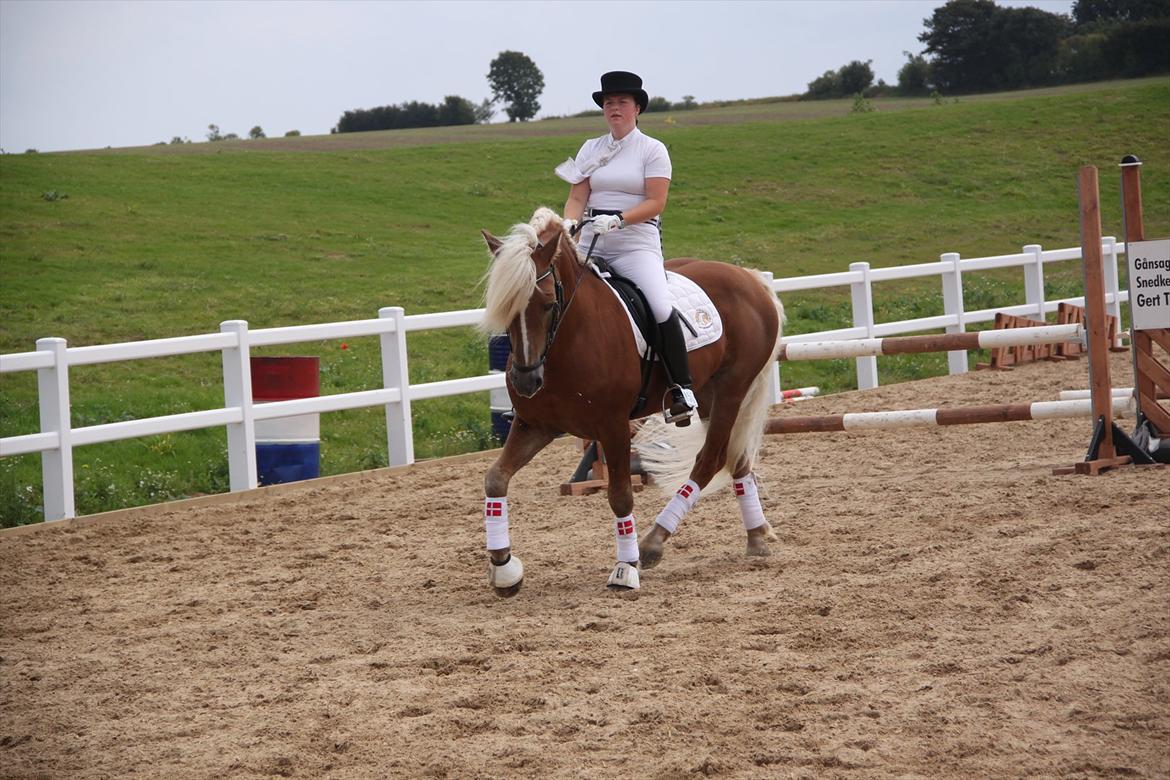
(119, 245)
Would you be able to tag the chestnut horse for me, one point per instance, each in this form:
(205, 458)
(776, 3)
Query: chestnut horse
(574, 368)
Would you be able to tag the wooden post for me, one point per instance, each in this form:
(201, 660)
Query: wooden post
(1102, 452)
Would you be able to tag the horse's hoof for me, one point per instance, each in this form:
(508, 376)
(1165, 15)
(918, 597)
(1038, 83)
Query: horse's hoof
(650, 550)
(506, 577)
(757, 541)
(624, 577)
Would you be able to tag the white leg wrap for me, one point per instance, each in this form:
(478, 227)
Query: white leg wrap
(678, 506)
(495, 522)
(626, 535)
(748, 496)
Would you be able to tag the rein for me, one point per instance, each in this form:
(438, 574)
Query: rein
(560, 307)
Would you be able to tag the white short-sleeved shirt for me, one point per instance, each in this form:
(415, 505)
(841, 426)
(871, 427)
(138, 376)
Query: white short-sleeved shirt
(621, 183)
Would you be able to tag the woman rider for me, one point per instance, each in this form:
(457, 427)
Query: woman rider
(620, 181)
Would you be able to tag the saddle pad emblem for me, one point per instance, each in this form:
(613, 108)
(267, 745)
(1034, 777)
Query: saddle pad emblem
(693, 305)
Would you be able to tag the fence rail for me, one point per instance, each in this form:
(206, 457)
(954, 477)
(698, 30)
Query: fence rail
(53, 359)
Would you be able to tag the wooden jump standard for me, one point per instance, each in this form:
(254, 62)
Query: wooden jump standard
(1109, 447)
(925, 418)
(904, 345)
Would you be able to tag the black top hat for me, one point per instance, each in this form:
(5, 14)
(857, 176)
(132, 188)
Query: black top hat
(623, 83)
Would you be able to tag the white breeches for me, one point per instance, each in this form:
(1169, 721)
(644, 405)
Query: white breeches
(635, 252)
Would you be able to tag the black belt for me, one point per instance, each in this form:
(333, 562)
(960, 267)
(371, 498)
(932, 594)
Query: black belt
(614, 213)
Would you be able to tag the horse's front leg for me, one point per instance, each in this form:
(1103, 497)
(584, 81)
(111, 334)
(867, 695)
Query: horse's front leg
(505, 571)
(621, 500)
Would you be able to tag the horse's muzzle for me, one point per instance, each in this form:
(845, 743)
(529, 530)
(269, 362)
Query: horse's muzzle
(527, 383)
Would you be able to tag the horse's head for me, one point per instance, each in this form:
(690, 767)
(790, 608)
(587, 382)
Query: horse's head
(524, 295)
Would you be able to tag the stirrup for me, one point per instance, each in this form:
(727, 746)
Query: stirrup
(681, 416)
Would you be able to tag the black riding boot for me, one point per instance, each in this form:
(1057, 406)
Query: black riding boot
(673, 347)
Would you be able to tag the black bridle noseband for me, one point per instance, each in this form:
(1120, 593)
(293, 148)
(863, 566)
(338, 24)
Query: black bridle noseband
(560, 307)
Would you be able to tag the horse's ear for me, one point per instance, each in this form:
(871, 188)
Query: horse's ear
(493, 243)
(546, 252)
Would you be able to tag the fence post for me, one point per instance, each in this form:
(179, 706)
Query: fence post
(861, 295)
(952, 290)
(1112, 284)
(56, 465)
(1034, 280)
(396, 373)
(774, 395)
(237, 391)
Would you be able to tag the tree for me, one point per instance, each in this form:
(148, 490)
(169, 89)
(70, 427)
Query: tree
(292, 133)
(1029, 44)
(826, 85)
(855, 77)
(516, 81)
(484, 112)
(657, 104)
(213, 133)
(914, 76)
(256, 132)
(960, 35)
(1090, 13)
(456, 110)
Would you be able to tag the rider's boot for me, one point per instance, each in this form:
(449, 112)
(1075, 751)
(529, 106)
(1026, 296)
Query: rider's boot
(673, 348)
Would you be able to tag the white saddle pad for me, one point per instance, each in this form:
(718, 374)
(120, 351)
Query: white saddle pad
(695, 307)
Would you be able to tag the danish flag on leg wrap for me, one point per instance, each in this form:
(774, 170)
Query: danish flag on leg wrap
(495, 522)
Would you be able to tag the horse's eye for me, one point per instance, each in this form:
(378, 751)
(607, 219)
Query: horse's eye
(549, 306)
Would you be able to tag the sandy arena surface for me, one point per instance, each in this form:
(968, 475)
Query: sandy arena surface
(939, 605)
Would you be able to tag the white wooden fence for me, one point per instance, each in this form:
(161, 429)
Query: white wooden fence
(53, 359)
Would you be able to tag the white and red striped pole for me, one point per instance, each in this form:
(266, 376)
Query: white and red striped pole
(925, 418)
(904, 345)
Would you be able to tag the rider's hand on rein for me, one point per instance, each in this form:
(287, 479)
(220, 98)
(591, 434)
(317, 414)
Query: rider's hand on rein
(603, 223)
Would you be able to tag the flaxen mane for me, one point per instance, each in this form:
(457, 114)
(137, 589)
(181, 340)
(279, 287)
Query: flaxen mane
(511, 276)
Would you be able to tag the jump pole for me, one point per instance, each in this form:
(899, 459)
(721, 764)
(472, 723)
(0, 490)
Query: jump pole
(927, 418)
(905, 345)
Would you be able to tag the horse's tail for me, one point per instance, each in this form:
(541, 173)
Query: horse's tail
(668, 453)
(747, 435)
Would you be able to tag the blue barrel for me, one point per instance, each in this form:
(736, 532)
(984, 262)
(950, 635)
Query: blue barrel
(499, 347)
(288, 449)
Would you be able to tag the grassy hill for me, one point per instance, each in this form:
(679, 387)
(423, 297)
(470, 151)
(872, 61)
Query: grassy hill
(171, 240)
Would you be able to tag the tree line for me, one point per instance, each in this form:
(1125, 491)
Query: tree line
(514, 80)
(978, 46)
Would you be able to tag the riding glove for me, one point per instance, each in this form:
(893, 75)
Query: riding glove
(603, 223)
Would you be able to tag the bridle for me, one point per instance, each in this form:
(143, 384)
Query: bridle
(560, 306)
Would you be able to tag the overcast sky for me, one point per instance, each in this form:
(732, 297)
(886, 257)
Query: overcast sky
(88, 74)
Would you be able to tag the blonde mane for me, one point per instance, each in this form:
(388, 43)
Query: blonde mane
(511, 277)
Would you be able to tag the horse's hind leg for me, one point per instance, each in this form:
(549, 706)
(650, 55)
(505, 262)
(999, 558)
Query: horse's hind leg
(712, 457)
(505, 572)
(747, 495)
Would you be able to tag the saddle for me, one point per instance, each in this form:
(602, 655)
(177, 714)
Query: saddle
(701, 322)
